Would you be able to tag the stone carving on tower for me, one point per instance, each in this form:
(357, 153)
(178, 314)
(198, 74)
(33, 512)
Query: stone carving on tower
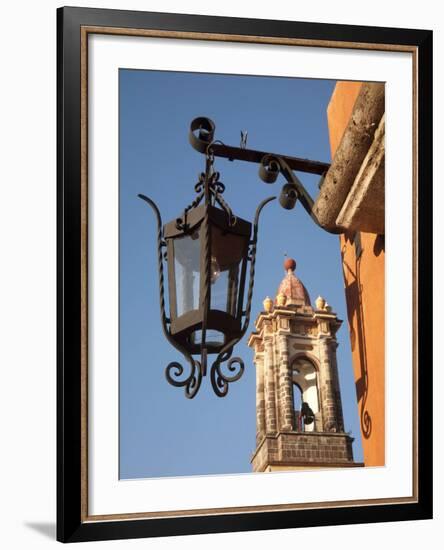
(299, 421)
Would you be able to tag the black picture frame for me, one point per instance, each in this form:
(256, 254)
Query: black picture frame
(72, 523)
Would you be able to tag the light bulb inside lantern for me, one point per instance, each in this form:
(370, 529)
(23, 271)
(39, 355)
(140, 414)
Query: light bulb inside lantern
(214, 270)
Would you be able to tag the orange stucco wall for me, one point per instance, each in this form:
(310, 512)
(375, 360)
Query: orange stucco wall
(363, 267)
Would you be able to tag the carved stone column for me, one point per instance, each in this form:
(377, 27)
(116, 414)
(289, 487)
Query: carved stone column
(270, 387)
(335, 385)
(286, 419)
(327, 388)
(260, 400)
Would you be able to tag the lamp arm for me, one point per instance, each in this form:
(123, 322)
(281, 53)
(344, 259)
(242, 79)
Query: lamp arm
(174, 370)
(201, 138)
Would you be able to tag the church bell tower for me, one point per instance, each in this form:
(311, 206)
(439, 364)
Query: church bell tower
(299, 421)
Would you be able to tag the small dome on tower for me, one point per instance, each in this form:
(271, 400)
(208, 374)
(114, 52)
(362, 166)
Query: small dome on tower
(291, 287)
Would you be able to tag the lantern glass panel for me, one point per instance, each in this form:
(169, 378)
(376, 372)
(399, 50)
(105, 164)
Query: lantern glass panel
(227, 253)
(212, 338)
(187, 272)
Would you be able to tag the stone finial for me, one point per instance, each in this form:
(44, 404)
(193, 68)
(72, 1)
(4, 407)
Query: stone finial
(281, 299)
(268, 304)
(320, 302)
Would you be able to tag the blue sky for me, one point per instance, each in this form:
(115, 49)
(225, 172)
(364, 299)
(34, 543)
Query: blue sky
(161, 432)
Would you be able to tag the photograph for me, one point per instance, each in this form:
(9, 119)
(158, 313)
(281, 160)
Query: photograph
(221, 280)
(240, 347)
(261, 350)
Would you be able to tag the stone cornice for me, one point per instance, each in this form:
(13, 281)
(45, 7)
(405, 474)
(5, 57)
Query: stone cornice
(316, 316)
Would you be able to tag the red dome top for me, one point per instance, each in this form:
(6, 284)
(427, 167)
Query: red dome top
(292, 287)
(290, 264)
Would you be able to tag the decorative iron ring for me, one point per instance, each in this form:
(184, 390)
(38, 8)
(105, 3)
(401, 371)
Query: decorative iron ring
(269, 169)
(206, 128)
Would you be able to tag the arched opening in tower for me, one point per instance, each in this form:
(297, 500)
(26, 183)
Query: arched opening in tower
(305, 395)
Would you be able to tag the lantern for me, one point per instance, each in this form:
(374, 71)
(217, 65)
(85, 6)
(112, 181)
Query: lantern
(207, 251)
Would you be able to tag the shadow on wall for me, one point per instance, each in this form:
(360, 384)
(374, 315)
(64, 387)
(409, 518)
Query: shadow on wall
(355, 310)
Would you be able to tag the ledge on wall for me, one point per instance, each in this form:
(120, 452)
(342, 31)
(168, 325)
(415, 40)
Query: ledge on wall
(352, 195)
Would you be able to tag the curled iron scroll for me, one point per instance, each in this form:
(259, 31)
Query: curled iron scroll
(269, 169)
(191, 383)
(201, 133)
(220, 381)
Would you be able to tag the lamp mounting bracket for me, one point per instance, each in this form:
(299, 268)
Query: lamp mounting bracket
(201, 138)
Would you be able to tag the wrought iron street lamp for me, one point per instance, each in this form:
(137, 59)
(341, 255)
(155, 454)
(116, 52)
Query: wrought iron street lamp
(207, 251)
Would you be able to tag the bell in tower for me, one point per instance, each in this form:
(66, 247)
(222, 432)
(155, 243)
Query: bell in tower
(299, 421)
